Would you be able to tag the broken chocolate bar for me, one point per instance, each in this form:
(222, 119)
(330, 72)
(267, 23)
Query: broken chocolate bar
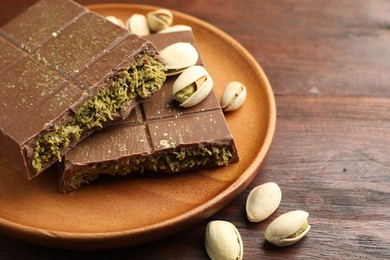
(64, 72)
(157, 136)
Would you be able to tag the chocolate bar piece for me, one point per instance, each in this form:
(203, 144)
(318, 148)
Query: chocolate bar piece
(64, 72)
(157, 136)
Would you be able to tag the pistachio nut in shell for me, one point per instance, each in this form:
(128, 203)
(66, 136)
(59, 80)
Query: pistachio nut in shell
(262, 201)
(223, 241)
(288, 228)
(138, 25)
(179, 56)
(233, 96)
(159, 19)
(176, 28)
(115, 20)
(192, 86)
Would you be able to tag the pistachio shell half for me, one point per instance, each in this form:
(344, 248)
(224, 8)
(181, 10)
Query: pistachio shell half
(179, 56)
(192, 86)
(288, 228)
(115, 20)
(233, 96)
(138, 25)
(176, 28)
(223, 241)
(159, 19)
(262, 201)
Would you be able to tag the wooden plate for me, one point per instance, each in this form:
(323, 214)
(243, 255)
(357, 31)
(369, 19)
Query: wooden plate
(134, 210)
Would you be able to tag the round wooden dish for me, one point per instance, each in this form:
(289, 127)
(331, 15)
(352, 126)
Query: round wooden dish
(134, 210)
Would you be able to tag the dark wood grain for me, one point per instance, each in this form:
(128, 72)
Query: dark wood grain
(329, 64)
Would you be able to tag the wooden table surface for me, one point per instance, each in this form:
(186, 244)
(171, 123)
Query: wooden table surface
(328, 62)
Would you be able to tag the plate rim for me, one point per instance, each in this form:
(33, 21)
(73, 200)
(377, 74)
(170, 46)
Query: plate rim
(51, 237)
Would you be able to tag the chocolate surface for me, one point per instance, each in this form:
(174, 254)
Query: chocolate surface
(157, 128)
(53, 57)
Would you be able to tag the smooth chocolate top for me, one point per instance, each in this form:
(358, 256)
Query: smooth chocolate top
(52, 57)
(157, 125)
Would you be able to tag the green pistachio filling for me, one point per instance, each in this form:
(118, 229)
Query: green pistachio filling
(175, 161)
(139, 80)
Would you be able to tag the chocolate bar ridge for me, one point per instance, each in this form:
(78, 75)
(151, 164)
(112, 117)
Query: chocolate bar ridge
(157, 136)
(65, 72)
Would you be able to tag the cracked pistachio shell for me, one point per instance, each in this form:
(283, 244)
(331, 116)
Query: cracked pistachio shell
(262, 201)
(196, 76)
(115, 20)
(138, 25)
(159, 19)
(223, 241)
(288, 228)
(233, 96)
(179, 56)
(176, 28)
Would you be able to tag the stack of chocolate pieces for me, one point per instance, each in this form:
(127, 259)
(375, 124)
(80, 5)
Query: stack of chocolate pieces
(64, 73)
(158, 136)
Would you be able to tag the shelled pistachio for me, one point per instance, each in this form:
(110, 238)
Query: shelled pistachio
(223, 241)
(262, 201)
(138, 25)
(159, 19)
(192, 86)
(179, 56)
(233, 96)
(288, 228)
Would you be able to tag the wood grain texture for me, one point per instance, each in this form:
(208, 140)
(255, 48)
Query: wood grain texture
(328, 62)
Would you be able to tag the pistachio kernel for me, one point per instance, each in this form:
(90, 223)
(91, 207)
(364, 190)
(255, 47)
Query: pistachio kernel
(188, 91)
(185, 93)
(192, 86)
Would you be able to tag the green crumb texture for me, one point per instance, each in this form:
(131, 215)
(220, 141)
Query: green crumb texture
(176, 161)
(139, 80)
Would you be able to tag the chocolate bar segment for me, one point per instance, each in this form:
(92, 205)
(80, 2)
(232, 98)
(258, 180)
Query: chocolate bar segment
(157, 136)
(65, 72)
(41, 22)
